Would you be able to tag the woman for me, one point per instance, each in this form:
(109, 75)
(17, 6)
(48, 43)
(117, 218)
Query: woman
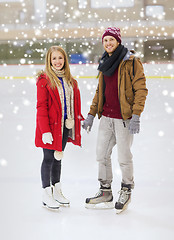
(57, 122)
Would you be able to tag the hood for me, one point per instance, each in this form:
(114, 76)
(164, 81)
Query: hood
(129, 55)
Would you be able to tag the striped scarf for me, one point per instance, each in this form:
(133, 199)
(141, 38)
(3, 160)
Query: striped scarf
(69, 95)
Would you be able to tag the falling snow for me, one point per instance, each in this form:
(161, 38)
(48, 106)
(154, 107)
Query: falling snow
(150, 215)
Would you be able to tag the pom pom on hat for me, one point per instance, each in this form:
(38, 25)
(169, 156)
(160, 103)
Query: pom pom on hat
(58, 155)
(114, 32)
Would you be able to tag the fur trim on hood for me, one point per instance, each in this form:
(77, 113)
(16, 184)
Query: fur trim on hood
(40, 73)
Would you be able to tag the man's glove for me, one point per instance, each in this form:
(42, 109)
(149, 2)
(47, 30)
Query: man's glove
(47, 138)
(87, 123)
(134, 124)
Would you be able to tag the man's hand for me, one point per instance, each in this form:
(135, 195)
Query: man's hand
(88, 122)
(134, 125)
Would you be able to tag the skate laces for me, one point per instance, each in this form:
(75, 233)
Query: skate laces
(123, 196)
(101, 192)
(60, 192)
(98, 193)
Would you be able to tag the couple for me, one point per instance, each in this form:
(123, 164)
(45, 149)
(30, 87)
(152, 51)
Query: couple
(119, 101)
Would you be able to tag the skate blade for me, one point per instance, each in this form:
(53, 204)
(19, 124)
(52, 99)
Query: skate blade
(50, 208)
(63, 204)
(118, 211)
(100, 206)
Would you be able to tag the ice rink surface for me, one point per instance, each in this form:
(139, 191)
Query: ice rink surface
(150, 214)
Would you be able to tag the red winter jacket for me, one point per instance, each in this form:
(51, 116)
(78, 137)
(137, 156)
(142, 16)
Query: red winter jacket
(49, 114)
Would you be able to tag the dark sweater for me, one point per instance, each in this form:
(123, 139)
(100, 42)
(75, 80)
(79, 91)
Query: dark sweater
(111, 106)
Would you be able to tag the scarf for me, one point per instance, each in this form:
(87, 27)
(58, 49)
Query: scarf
(69, 95)
(108, 64)
(59, 73)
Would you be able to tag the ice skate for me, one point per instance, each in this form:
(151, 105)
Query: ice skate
(58, 195)
(124, 198)
(48, 200)
(102, 200)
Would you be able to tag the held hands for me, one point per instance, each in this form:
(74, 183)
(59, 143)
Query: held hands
(134, 125)
(88, 122)
(47, 138)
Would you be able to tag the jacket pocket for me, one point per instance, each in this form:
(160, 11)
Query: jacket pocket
(129, 96)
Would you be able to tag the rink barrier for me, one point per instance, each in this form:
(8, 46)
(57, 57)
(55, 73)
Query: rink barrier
(30, 77)
(79, 77)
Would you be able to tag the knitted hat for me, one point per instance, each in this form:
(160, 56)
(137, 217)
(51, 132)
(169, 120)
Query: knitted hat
(114, 32)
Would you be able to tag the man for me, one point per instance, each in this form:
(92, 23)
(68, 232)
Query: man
(119, 101)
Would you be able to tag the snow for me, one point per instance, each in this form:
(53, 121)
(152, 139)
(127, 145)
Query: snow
(150, 214)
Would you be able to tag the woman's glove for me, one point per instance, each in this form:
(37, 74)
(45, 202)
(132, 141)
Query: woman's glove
(88, 122)
(47, 138)
(134, 124)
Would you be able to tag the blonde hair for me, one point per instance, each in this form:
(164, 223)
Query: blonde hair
(50, 73)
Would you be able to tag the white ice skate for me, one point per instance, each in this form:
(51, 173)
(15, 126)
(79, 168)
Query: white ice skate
(58, 195)
(48, 200)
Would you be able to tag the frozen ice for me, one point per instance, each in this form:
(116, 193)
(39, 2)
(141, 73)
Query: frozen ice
(150, 214)
(3, 162)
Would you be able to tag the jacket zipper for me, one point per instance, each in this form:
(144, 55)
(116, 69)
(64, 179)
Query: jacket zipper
(124, 124)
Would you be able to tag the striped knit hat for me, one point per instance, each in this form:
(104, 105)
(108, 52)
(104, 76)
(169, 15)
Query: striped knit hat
(114, 32)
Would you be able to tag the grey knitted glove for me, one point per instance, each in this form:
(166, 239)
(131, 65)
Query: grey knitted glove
(88, 122)
(134, 125)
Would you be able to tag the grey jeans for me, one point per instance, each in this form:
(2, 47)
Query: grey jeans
(111, 132)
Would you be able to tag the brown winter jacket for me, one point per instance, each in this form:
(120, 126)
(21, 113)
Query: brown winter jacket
(132, 89)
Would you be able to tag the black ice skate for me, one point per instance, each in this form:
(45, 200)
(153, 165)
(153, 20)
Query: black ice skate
(102, 200)
(124, 198)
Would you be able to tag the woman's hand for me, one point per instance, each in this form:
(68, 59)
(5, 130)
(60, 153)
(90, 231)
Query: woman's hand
(47, 138)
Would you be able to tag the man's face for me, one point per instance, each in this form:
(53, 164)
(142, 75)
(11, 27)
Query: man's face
(110, 44)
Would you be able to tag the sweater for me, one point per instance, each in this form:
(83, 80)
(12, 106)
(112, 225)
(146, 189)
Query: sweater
(111, 107)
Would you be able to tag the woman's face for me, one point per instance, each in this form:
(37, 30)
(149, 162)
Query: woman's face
(110, 44)
(57, 60)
